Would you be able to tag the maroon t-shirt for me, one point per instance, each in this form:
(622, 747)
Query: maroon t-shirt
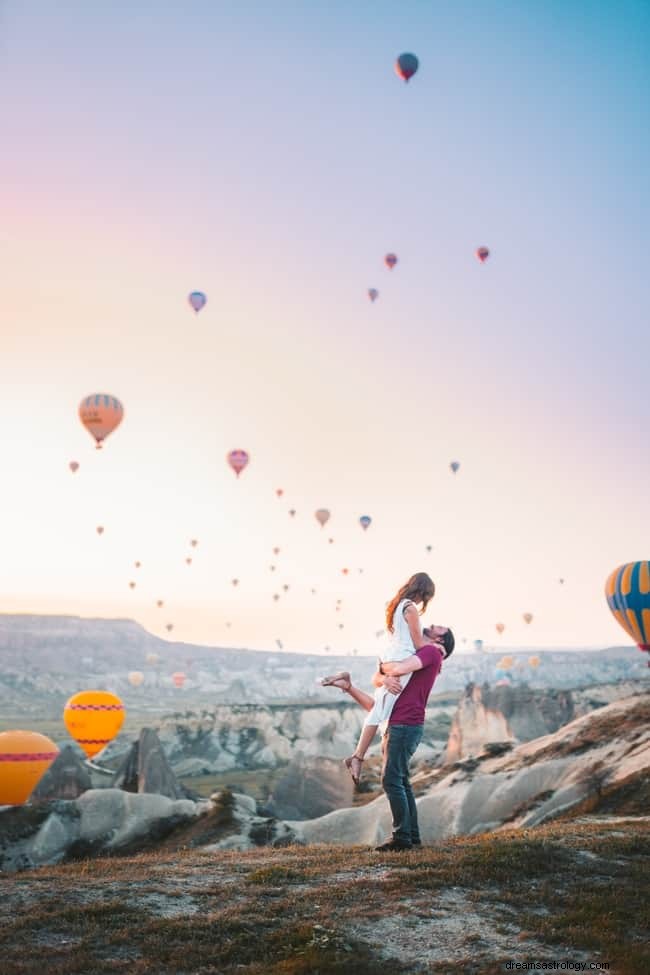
(410, 705)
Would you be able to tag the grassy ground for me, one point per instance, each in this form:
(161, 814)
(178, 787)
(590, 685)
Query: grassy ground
(573, 891)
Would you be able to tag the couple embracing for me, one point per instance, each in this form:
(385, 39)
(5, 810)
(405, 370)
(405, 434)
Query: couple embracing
(407, 672)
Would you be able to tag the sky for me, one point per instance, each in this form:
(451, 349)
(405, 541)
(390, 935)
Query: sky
(267, 154)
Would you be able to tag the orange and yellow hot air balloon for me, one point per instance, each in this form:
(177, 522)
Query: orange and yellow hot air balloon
(25, 756)
(136, 677)
(628, 596)
(534, 662)
(100, 413)
(505, 663)
(93, 718)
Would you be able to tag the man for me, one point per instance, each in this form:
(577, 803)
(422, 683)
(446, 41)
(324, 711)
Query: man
(404, 731)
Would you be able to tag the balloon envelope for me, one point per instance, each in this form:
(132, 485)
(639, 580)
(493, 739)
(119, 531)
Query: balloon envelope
(136, 677)
(500, 627)
(482, 254)
(533, 662)
(454, 466)
(100, 413)
(365, 521)
(197, 300)
(178, 678)
(74, 466)
(373, 294)
(322, 516)
(93, 718)
(406, 66)
(238, 460)
(25, 756)
(528, 617)
(390, 261)
(628, 596)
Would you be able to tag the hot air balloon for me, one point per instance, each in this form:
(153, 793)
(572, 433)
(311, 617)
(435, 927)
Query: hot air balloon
(454, 466)
(135, 678)
(429, 548)
(93, 718)
(292, 512)
(194, 542)
(132, 585)
(100, 529)
(478, 646)
(169, 627)
(238, 460)
(74, 466)
(279, 492)
(322, 516)
(228, 625)
(100, 413)
(365, 521)
(628, 596)
(500, 627)
(197, 300)
(345, 571)
(285, 587)
(406, 66)
(534, 662)
(188, 560)
(153, 658)
(276, 596)
(25, 756)
(482, 254)
(390, 261)
(561, 581)
(313, 592)
(235, 582)
(276, 551)
(373, 294)
(279, 644)
(138, 564)
(341, 625)
(160, 603)
(179, 678)
(272, 568)
(330, 541)
(360, 571)
(528, 617)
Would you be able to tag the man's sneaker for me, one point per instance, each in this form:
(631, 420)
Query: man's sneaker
(393, 846)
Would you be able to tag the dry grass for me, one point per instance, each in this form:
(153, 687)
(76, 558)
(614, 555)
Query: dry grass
(578, 889)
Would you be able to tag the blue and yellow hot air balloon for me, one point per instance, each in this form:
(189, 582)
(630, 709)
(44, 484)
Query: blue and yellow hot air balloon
(628, 596)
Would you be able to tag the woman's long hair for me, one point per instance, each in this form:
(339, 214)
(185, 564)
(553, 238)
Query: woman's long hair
(419, 587)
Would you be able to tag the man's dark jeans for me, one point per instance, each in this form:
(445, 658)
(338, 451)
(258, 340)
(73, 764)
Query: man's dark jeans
(399, 744)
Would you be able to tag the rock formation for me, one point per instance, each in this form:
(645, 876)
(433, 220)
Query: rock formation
(145, 769)
(311, 787)
(66, 778)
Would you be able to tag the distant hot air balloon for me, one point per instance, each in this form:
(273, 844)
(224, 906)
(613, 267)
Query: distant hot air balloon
(238, 460)
(197, 300)
(561, 581)
(188, 560)
(93, 718)
(194, 542)
(628, 596)
(373, 294)
(279, 644)
(322, 516)
(478, 646)
(365, 521)
(534, 662)
(132, 585)
(285, 587)
(406, 66)
(345, 571)
(341, 625)
(153, 658)
(276, 596)
(528, 617)
(160, 603)
(482, 254)
(429, 548)
(330, 541)
(292, 512)
(505, 663)
(137, 564)
(279, 492)
(276, 550)
(500, 627)
(179, 678)
(390, 261)
(25, 756)
(135, 678)
(74, 466)
(235, 582)
(272, 568)
(100, 529)
(454, 466)
(169, 627)
(100, 413)
(228, 625)
(313, 592)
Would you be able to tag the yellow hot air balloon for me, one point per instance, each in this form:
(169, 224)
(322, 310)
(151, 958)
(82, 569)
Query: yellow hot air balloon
(528, 617)
(100, 413)
(25, 756)
(505, 663)
(534, 662)
(136, 677)
(93, 718)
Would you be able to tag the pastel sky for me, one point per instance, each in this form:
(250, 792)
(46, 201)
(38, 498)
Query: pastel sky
(267, 154)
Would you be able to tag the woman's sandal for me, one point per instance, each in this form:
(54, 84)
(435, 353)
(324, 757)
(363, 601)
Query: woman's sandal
(341, 680)
(354, 771)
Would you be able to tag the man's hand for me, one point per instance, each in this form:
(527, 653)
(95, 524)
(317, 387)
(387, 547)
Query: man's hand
(392, 684)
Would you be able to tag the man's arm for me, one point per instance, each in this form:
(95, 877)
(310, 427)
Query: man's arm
(391, 684)
(397, 668)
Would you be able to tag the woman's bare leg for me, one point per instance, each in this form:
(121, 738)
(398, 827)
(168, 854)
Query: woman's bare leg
(361, 697)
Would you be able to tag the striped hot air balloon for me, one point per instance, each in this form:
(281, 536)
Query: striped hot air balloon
(628, 596)
(25, 757)
(100, 413)
(93, 718)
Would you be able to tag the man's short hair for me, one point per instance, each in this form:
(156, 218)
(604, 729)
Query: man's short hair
(448, 641)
